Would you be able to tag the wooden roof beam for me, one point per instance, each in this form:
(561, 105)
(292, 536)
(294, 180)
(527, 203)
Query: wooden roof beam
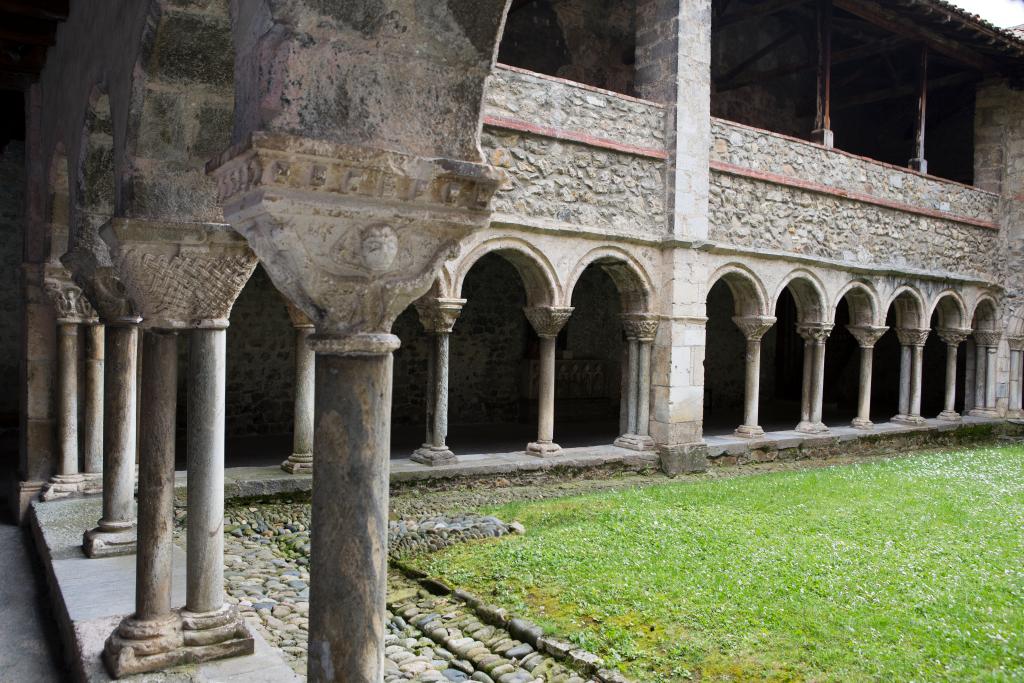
(764, 9)
(56, 10)
(896, 23)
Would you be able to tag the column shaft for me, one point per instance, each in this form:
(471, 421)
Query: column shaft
(917, 355)
(643, 409)
(156, 476)
(93, 427)
(546, 392)
(805, 390)
(990, 378)
(67, 397)
(115, 533)
(980, 377)
(207, 376)
(950, 398)
(431, 397)
(752, 385)
(440, 392)
(348, 569)
(818, 382)
(301, 459)
(867, 359)
(632, 388)
(905, 362)
(1015, 380)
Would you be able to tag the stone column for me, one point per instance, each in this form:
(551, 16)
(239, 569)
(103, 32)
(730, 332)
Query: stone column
(72, 311)
(867, 336)
(301, 459)
(753, 329)
(115, 533)
(1014, 409)
(814, 335)
(547, 322)
(150, 637)
(912, 342)
(987, 342)
(182, 276)
(438, 316)
(641, 329)
(92, 431)
(206, 620)
(952, 338)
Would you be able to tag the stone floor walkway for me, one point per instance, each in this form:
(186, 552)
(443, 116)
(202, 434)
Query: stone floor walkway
(27, 637)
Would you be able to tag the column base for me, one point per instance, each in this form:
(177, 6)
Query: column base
(1014, 414)
(92, 482)
(635, 442)
(749, 431)
(138, 646)
(983, 412)
(62, 486)
(298, 463)
(543, 449)
(24, 493)
(812, 428)
(949, 416)
(183, 638)
(433, 455)
(861, 423)
(908, 419)
(109, 540)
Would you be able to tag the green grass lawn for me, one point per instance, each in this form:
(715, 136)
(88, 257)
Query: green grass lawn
(901, 570)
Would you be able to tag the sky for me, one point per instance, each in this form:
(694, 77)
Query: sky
(1003, 13)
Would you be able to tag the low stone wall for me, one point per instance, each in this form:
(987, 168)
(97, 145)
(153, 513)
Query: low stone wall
(521, 95)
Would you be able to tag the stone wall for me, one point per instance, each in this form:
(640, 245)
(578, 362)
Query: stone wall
(588, 41)
(260, 362)
(764, 213)
(565, 182)
(12, 187)
(514, 94)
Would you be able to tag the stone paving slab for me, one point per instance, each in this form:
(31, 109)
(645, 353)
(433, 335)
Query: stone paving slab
(91, 596)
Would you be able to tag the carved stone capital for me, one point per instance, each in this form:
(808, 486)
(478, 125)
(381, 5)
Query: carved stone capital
(438, 315)
(867, 335)
(987, 338)
(1016, 343)
(754, 327)
(548, 321)
(180, 275)
(351, 235)
(952, 336)
(814, 332)
(642, 327)
(66, 297)
(912, 336)
(93, 271)
(298, 318)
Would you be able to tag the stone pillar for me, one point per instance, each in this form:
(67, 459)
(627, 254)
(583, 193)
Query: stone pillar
(641, 330)
(208, 623)
(115, 533)
(987, 342)
(72, 311)
(92, 431)
(438, 318)
(952, 339)
(814, 335)
(150, 637)
(547, 322)
(912, 349)
(867, 336)
(182, 276)
(753, 329)
(1014, 409)
(301, 459)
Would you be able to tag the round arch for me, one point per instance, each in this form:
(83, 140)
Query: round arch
(630, 278)
(748, 292)
(536, 271)
(808, 294)
(986, 313)
(909, 307)
(950, 307)
(862, 301)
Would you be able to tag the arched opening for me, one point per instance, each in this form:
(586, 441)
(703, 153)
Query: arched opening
(842, 367)
(893, 385)
(800, 344)
(259, 401)
(948, 321)
(586, 41)
(982, 358)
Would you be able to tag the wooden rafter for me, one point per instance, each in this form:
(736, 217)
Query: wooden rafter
(761, 10)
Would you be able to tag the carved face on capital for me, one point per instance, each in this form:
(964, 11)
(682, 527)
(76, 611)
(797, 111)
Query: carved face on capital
(379, 247)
